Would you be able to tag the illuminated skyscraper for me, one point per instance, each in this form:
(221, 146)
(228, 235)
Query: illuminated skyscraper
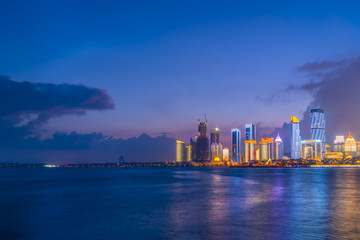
(216, 152)
(266, 149)
(226, 154)
(295, 141)
(193, 144)
(202, 143)
(250, 151)
(188, 153)
(250, 132)
(350, 147)
(235, 145)
(214, 139)
(180, 151)
(278, 148)
(317, 124)
(214, 136)
(339, 144)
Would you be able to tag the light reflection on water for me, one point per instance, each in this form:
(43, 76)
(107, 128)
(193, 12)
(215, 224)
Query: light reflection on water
(180, 203)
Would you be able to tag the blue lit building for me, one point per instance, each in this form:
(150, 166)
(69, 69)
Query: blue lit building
(250, 132)
(295, 141)
(235, 145)
(317, 124)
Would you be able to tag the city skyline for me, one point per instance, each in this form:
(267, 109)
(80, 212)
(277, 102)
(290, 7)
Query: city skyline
(252, 150)
(155, 68)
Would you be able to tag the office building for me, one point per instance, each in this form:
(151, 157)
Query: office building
(250, 132)
(350, 147)
(250, 151)
(188, 153)
(226, 155)
(317, 124)
(216, 152)
(180, 151)
(295, 139)
(312, 149)
(278, 148)
(266, 149)
(214, 136)
(339, 144)
(202, 143)
(235, 145)
(214, 139)
(193, 144)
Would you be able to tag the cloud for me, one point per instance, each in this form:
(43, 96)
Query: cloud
(27, 103)
(334, 87)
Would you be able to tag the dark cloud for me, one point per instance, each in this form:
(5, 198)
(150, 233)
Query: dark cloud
(336, 90)
(27, 103)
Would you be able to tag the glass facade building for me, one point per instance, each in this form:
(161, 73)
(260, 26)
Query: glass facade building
(235, 145)
(295, 139)
(202, 143)
(250, 132)
(317, 124)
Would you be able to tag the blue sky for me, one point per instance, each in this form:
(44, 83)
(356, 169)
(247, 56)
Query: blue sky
(166, 63)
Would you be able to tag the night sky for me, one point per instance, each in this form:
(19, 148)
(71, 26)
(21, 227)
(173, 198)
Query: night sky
(79, 74)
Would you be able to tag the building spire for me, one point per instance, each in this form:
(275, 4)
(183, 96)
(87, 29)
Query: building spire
(278, 138)
(293, 119)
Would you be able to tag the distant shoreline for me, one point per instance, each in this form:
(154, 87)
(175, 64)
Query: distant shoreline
(161, 165)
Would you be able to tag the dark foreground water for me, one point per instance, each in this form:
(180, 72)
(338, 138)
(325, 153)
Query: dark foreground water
(179, 203)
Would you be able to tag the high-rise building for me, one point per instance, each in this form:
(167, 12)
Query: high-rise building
(295, 141)
(317, 124)
(266, 149)
(188, 153)
(214, 139)
(202, 143)
(226, 156)
(339, 144)
(214, 136)
(250, 151)
(193, 144)
(278, 148)
(312, 149)
(235, 145)
(216, 152)
(180, 151)
(350, 147)
(250, 132)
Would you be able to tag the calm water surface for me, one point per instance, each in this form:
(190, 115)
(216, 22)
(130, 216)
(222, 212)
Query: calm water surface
(179, 203)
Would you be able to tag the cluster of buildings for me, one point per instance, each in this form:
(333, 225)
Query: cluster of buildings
(204, 149)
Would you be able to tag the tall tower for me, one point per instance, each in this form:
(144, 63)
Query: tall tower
(235, 145)
(317, 124)
(250, 132)
(202, 144)
(295, 138)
